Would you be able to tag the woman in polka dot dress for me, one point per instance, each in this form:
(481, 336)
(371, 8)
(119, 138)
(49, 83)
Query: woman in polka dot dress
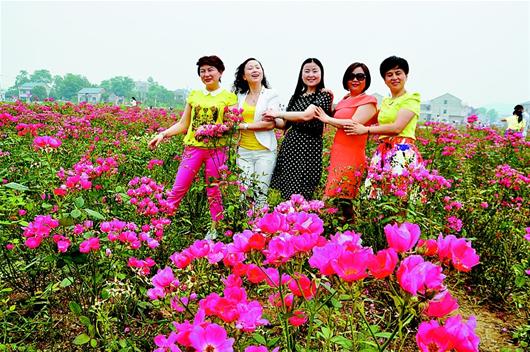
(299, 164)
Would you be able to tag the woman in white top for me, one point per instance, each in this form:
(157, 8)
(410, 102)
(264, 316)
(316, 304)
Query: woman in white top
(257, 146)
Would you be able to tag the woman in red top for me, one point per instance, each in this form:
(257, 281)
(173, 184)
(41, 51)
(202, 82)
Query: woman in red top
(348, 158)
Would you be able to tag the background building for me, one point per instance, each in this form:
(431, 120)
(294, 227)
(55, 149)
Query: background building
(90, 95)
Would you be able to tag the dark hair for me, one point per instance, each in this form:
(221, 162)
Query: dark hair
(212, 60)
(393, 62)
(518, 111)
(240, 85)
(348, 75)
(301, 88)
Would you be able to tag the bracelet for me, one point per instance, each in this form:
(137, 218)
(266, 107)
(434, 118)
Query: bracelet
(244, 125)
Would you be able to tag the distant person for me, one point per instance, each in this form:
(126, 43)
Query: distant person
(257, 146)
(203, 107)
(134, 102)
(299, 165)
(515, 123)
(526, 119)
(397, 120)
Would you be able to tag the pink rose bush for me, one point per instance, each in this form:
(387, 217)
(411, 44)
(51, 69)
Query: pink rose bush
(261, 257)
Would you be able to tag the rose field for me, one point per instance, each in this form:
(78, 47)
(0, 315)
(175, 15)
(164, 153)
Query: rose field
(93, 257)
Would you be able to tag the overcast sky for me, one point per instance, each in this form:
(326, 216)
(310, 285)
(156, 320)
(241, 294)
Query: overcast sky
(477, 50)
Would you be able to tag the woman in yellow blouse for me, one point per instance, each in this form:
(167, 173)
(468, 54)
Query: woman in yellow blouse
(397, 120)
(203, 107)
(515, 123)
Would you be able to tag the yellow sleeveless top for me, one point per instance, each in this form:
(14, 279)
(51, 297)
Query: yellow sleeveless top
(248, 138)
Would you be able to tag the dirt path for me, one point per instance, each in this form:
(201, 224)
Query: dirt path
(492, 327)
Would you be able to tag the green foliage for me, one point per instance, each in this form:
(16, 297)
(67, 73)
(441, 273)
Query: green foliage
(39, 93)
(121, 86)
(67, 87)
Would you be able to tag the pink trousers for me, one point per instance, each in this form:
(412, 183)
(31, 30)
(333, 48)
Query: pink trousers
(192, 160)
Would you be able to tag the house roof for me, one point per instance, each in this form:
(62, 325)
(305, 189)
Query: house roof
(446, 95)
(95, 90)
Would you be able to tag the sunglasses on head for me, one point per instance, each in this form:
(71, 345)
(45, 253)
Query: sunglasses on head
(359, 76)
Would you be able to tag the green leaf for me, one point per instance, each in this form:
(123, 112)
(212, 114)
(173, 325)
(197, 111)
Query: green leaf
(273, 342)
(67, 281)
(75, 307)
(93, 343)
(17, 186)
(81, 339)
(79, 202)
(384, 334)
(85, 321)
(75, 213)
(105, 294)
(259, 339)
(94, 214)
(326, 332)
(342, 341)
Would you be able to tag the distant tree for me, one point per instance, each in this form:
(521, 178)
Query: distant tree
(22, 77)
(482, 111)
(41, 76)
(67, 87)
(12, 92)
(39, 93)
(492, 114)
(158, 95)
(120, 86)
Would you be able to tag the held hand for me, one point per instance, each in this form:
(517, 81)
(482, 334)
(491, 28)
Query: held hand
(153, 143)
(269, 115)
(355, 129)
(321, 115)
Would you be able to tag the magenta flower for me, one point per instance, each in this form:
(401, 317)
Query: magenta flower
(472, 118)
(441, 305)
(458, 251)
(323, 256)
(463, 333)
(383, 263)
(91, 244)
(433, 337)
(210, 338)
(352, 266)
(416, 275)
(250, 316)
(166, 344)
(46, 143)
(402, 238)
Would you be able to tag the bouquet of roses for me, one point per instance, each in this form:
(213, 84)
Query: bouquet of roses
(207, 133)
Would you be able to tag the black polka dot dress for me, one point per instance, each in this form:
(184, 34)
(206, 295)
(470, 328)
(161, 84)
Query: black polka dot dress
(299, 164)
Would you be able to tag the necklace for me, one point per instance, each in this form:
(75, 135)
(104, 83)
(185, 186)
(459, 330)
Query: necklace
(253, 98)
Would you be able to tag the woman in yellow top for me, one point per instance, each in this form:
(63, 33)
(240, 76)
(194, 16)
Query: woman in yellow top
(397, 121)
(203, 107)
(257, 146)
(516, 122)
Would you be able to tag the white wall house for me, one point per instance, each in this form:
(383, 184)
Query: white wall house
(445, 108)
(90, 95)
(24, 90)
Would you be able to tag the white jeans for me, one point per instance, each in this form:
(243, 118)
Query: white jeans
(257, 166)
